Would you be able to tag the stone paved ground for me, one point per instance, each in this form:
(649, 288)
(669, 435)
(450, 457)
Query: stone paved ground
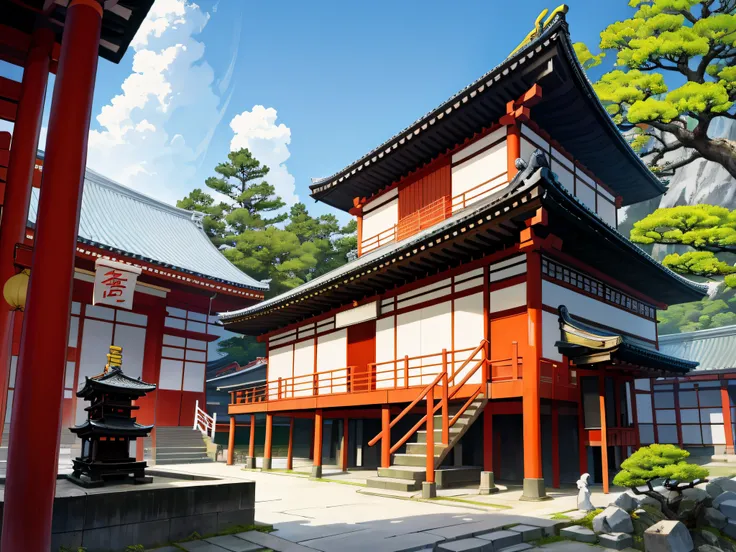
(332, 516)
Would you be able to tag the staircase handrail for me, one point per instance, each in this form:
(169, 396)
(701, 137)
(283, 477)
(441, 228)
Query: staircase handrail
(422, 394)
(203, 422)
(480, 348)
(439, 405)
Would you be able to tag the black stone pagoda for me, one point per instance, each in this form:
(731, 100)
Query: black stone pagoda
(109, 429)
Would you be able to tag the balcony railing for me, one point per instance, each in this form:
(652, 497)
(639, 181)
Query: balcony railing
(427, 216)
(379, 240)
(403, 373)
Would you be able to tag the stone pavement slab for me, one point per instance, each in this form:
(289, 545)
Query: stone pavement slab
(527, 532)
(519, 547)
(165, 549)
(492, 522)
(267, 540)
(501, 539)
(200, 546)
(465, 545)
(234, 544)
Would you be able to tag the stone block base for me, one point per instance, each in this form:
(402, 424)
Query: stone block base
(487, 483)
(250, 463)
(317, 472)
(266, 463)
(534, 490)
(429, 490)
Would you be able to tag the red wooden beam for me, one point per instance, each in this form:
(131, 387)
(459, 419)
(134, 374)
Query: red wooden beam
(8, 110)
(9, 89)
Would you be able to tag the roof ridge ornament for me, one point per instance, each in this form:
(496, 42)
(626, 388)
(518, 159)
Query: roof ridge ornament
(539, 26)
(197, 218)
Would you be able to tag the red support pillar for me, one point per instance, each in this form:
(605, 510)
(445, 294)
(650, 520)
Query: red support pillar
(267, 443)
(582, 446)
(290, 450)
(18, 189)
(231, 442)
(531, 400)
(604, 430)
(727, 422)
(513, 149)
(250, 461)
(33, 463)
(555, 445)
(317, 466)
(386, 434)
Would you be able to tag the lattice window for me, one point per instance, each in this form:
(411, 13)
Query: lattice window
(596, 288)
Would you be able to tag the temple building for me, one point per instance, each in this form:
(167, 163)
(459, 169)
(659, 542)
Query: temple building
(170, 332)
(494, 318)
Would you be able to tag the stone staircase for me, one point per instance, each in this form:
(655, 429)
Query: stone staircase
(180, 445)
(69, 447)
(408, 470)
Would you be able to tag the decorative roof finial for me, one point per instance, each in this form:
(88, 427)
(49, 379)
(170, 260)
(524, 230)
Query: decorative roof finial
(114, 359)
(539, 26)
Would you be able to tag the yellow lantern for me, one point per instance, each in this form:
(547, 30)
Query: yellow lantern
(15, 290)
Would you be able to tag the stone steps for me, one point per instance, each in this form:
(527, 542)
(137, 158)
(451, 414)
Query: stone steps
(395, 484)
(180, 445)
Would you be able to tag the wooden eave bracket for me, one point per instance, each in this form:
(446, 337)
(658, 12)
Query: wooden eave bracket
(517, 111)
(23, 255)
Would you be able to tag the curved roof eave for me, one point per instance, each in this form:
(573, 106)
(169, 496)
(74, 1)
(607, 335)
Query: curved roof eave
(323, 187)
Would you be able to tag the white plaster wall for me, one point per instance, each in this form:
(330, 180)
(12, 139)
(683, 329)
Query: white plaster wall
(133, 341)
(508, 297)
(280, 365)
(507, 268)
(385, 353)
(194, 376)
(607, 212)
(550, 335)
(96, 341)
(380, 219)
(586, 307)
(332, 351)
(488, 168)
(303, 368)
(436, 334)
(468, 334)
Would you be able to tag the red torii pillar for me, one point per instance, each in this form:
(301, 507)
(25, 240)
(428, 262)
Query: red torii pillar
(34, 438)
(20, 174)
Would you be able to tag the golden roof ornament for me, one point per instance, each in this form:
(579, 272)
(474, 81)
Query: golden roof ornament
(114, 359)
(539, 26)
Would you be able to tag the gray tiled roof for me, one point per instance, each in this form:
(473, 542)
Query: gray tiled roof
(714, 349)
(122, 220)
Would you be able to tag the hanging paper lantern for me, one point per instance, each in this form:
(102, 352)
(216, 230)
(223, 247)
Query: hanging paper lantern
(15, 290)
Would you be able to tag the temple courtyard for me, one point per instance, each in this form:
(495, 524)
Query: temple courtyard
(339, 513)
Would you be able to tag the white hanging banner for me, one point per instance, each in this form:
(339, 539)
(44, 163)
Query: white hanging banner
(114, 283)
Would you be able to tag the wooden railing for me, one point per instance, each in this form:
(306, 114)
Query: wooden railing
(443, 380)
(204, 422)
(427, 216)
(379, 240)
(464, 199)
(405, 373)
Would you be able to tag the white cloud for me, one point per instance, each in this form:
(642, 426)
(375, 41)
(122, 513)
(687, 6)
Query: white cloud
(268, 142)
(155, 132)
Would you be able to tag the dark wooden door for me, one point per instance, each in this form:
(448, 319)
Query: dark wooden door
(362, 352)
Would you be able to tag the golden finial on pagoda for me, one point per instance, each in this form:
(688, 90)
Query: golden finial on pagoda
(114, 358)
(539, 26)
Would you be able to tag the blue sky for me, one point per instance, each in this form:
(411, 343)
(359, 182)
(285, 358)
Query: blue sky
(308, 86)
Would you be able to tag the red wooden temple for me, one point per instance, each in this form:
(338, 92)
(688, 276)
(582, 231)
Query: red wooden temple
(494, 319)
(51, 229)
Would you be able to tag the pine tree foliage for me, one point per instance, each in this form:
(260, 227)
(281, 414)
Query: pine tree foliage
(672, 76)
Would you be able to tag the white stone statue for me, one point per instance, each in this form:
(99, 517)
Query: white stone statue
(584, 502)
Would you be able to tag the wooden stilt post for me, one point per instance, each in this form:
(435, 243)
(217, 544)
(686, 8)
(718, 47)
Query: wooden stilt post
(582, 447)
(555, 445)
(344, 448)
(290, 450)
(385, 436)
(604, 430)
(727, 422)
(317, 465)
(250, 462)
(445, 402)
(231, 442)
(267, 443)
(488, 438)
(429, 488)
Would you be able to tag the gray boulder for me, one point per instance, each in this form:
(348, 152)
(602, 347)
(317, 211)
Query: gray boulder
(726, 495)
(709, 548)
(710, 517)
(666, 493)
(730, 528)
(728, 508)
(697, 494)
(650, 502)
(626, 502)
(668, 536)
(713, 489)
(613, 520)
(616, 541)
(726, 483)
